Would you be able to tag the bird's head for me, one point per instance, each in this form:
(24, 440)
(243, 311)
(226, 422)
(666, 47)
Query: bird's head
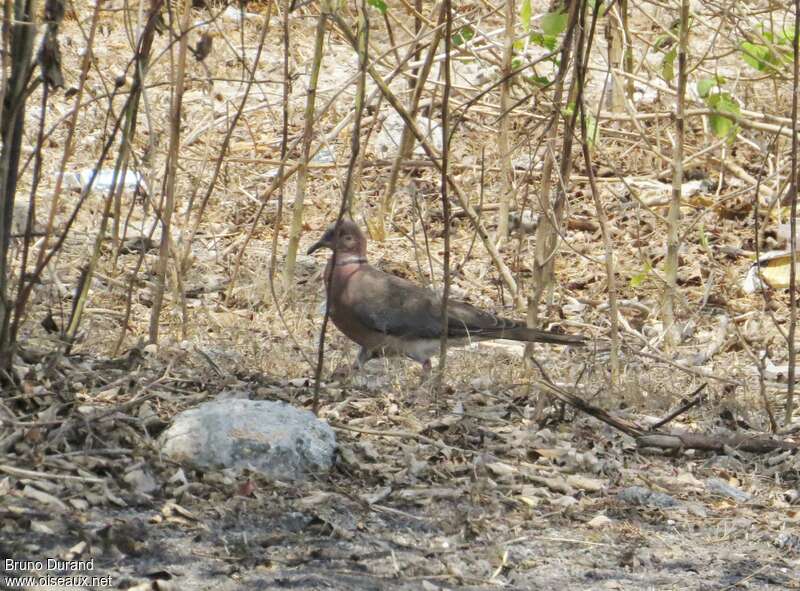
(345, 238)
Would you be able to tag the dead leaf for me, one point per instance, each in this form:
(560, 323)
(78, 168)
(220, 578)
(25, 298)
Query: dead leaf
(585, 483)
(171, 509)
(599, 522)
(43, 497)
(376, 496)
(502, 469)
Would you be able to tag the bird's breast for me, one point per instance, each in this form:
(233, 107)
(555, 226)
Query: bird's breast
(343, 290)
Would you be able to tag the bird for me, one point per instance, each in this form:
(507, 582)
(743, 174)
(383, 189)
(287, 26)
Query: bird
(387, 315)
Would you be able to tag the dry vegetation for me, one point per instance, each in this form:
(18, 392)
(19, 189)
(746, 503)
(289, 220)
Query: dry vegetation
(486, 483)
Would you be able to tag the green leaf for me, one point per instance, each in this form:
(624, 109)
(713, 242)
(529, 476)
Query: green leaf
(638, 279)
(704, 86)
(642, 275)
(721, 125)
(554, 23)
(592, 131)
(379, 4)
(525, 15)
(663, 42)
(701, 231)
(516, 63)
(724, 103)
(549, 42)
(464, 34)
(786, 37)
(757, 56)
(599, 7)
(668, 65)
(539, 80)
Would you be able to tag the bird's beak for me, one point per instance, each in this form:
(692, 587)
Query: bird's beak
(321, 243)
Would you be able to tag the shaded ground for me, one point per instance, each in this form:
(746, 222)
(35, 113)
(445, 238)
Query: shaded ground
(475, 498)
(260, 545)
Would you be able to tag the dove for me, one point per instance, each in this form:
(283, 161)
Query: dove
(387, 315)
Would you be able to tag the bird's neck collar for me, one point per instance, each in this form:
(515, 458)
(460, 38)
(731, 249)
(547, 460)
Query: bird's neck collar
(350, 260)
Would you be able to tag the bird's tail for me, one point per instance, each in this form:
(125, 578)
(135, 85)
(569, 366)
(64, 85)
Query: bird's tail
(533, 335)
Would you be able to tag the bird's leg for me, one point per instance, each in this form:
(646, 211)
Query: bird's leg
(364, 355)
(426, 371)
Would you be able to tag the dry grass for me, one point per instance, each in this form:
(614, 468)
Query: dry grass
(240, 323)
(472, 486)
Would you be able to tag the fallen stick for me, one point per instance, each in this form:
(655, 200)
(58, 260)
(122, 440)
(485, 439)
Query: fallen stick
(741, 442)
(758, 443)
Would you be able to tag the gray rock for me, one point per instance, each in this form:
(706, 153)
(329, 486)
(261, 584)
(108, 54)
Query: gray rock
(271, 438)
(788, 541)
(140, 480)
(639, 495)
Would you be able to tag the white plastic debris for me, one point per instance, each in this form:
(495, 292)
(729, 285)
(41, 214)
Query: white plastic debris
(772, 270)
(388, 140)
(776, 373)
(645, 95)
(102, 182)
(232, 13)
(324, 156)
(654, 193)
(784, 233)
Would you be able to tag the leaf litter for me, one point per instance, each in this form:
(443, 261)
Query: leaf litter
(478, 487)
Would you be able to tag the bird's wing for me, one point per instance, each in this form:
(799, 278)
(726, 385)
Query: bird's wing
(467, 320)
(393, 306)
